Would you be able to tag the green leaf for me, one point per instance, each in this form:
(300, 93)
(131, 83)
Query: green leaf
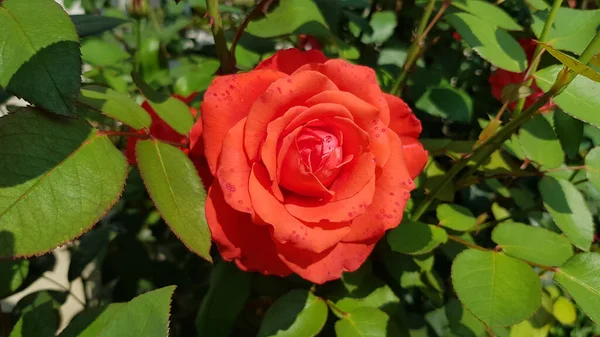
(101, 53)
(12, 274)
(573, 64)
(461, 322)
(366, 322)
(115, 105)
(580, 99)
(569, 131)
(89, 25)
(533, 244)
(171, 110)
(51, 164)
(177, 192)
(491, 42)
(488, 12)
(564, 311)
(592, 162)
(90, 322)
(455, 217)
(290, 17)
(569, 210)
(373, 293)
(413, 237)
(145, 316)
(447, 102)
(229, 290)
(383, 24)
(572, 29)
(296, 314)
(497, 289)
(40, 54)
(540, 143)
(580, 276)
(39, 320)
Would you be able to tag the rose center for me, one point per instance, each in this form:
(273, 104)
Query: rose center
(313, 163)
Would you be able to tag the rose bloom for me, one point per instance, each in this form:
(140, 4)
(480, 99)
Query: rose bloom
(501, 78)
(313, 163)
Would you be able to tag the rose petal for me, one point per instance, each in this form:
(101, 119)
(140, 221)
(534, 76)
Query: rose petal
(292, 178)
(196, 142)
(328, 265)
(239, 239)
(391, 194)
(227, 100)
(286, 228)
(365, 116)
(402, 120)
(233, 170)
(270, 146)
(288, 60)
(276, 100)
(415, 156)
(358, 80)
(310, 210)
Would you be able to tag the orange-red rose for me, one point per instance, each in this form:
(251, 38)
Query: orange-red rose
(313, 163)
(501, 78)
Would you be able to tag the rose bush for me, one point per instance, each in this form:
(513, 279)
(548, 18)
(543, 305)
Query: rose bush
(159, 129)
(313, 163)
(501, 78)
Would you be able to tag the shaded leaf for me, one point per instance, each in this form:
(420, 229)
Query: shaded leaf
(491, 42)
(540, 143)
(569, 131)
(12, 274)
(290, 17)
(447, 102)
(51, 164)
(89, 25)
(45, 70)
(297, 313)
(488, 12)
(592, 162)
(412, 237)
(229, 290)
(569, 210)
(115, 105)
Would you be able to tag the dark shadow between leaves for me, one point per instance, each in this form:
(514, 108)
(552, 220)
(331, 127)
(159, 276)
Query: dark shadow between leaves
(451, 103)
(32, 143)
(50, 79)
(7, 246)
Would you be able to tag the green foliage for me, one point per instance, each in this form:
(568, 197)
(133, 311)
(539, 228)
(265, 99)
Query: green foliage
(56, 164)
(533, 244)
(499, 218)
(38, 39)
(497, 289)
(177, 192)
(569, 211)
(489, 41)
(297, 313)
(580, 276)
